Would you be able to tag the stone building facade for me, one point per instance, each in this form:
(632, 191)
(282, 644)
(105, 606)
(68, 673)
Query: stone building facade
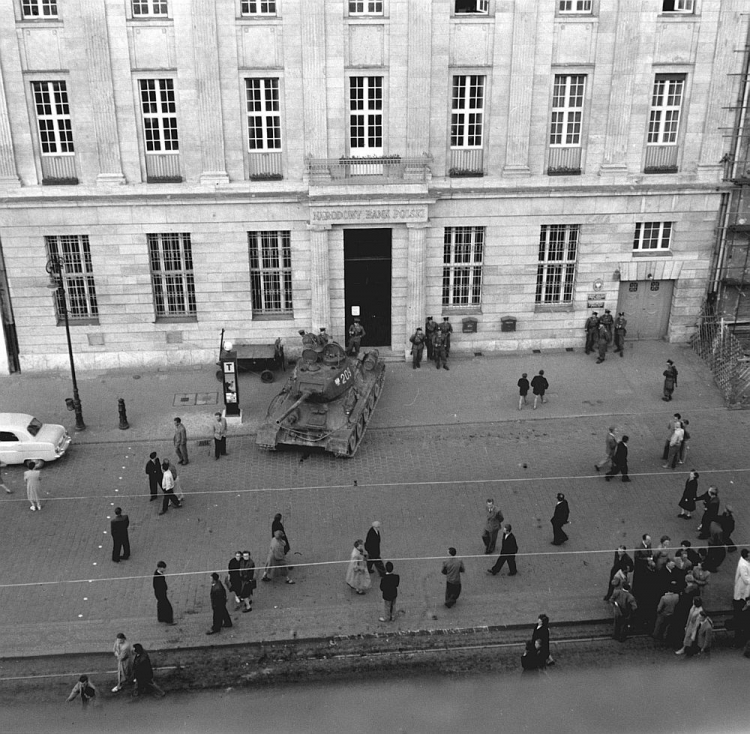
(266, 166)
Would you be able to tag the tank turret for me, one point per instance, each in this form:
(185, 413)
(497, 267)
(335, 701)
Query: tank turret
(328, 401)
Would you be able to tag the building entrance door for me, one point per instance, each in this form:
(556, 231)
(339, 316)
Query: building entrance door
(367, 283)
(647, 305)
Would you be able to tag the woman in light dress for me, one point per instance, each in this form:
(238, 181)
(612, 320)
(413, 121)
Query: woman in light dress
(356, 574)
(123, 651)
(32, 476)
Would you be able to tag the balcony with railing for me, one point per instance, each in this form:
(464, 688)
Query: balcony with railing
(661, 159)
(371, 170)
(564, 161)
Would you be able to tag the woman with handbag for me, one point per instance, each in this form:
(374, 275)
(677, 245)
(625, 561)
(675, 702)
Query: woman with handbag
(687, 501)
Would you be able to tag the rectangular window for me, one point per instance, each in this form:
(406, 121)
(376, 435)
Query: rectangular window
(567, 110)
(263, 119)
(258, 7)
(78, 277)
(677, 6)
(366, 115)
(463, 249)
(270, 272)
(39, 8)
(664, 119)
(467, 111)
(53, 118)
(172, 277)
(575, 6)
(149, 8)
(652, 235)
(481, 7)
(159, 115)
(365, 7)
(556, 270)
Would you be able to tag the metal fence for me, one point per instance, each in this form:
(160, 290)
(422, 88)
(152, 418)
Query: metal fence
(723, 353)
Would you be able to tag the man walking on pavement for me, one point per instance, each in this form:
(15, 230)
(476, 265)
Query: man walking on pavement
(676, 418)
(430, 329)
(591, 327)
(153, 469)
(417, 340)
(389, 587)
(492, 525)
(372, 549)
(441, 355)
(452, 570)
(620, 331)
(180, 441)
(508, 550)
(164, 611)
(120, 540)
(620, 463)
(221, 616)
(523, 390)
(610, 445)
(539, 385)
(670, 380)
(220, 436)
(143, 673)
(560, 517)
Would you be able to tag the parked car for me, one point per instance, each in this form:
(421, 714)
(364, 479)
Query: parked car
(23, 437)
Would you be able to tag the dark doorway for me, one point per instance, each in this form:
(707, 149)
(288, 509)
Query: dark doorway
(367, 278)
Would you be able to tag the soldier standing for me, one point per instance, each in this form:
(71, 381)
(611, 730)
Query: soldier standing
(592, 325)
(430, 328)
(356, 333)
(603, 341)
(620, 323)
(608, 322)
(446, 329)
(441, 358)
(417, 340)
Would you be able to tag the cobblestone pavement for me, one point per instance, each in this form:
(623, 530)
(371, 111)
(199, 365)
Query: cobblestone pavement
(439, 445)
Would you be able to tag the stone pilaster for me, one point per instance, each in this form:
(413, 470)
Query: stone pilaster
(313, 31)
(624, 68)
(208, 89)
(415, 276)
(320, 302)
(101, 89)
(418, 82)
(521, 89)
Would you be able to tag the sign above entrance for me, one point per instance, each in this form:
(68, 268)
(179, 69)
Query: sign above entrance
(595, 300)
(358, 214)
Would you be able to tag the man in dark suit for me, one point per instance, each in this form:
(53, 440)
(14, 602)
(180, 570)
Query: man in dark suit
(620, 461)
(372, 548)
(164, 611)
(560, 518)
(508, 550)
(153, 469)
(120, 540)
(221, 616)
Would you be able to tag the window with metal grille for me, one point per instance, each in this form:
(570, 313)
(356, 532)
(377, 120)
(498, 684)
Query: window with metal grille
(258, 7)
(366, 113)
(159, 115)
(53, 118)
(652, 235)
(678, 6)
(463, 250)
(567, 110)
(556, 269)
(481, 7)
(149, 8)
(664, 119)
(263, 119)
(575, 6)
(467, 111)
(270, 271)
(74, 254)
(365, 7)
(39, 8)
(172, 277)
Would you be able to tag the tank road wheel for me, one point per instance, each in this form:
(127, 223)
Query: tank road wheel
(266, 376)
(353, 443)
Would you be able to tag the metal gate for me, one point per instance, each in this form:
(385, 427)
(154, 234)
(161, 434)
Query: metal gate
(647, 305)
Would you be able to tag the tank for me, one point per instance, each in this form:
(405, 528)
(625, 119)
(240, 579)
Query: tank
(328, 401)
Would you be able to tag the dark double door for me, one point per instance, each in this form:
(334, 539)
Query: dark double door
(367, 283)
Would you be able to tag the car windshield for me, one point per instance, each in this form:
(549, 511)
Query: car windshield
(34, 427)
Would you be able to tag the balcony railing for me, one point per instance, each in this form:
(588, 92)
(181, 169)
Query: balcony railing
(564, 161)
(163, 168)
(661, 159)
(59, 169)
(374, 170)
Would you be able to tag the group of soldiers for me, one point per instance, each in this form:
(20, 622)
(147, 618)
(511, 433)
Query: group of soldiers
(437, 338)
(354, 342)
(600, 331)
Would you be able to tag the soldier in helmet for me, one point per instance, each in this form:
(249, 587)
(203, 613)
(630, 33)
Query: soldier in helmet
(592, 326)
(430, 328)
(441, 356)
(446, 329)
(356, 333)
(417, 340)
(620, 330)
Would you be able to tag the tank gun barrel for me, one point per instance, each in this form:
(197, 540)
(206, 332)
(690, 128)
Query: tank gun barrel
(301, 399)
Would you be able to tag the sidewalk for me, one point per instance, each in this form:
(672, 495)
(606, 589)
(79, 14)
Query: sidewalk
(440, 443)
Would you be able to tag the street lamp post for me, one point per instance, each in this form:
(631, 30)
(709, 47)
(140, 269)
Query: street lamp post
(56, 269)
